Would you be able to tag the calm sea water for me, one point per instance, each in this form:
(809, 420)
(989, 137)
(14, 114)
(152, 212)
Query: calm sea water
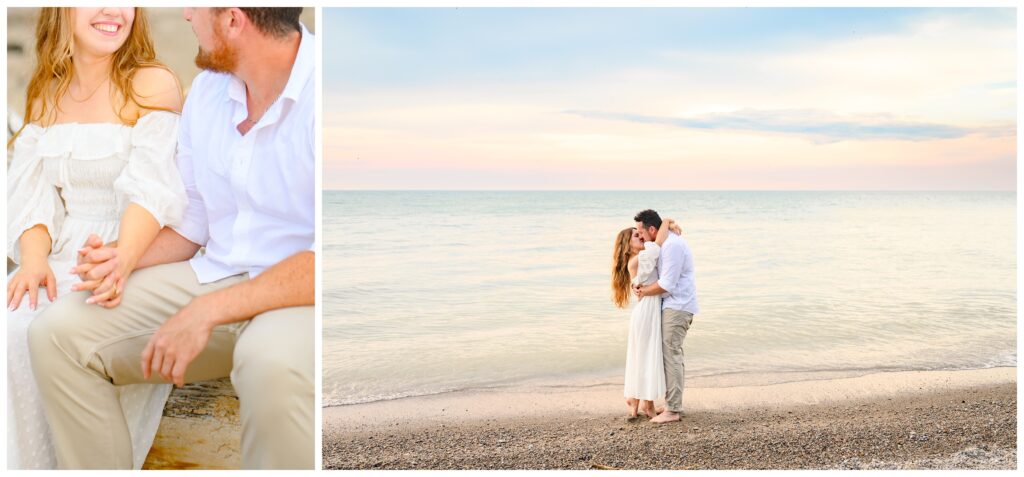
(429, 292)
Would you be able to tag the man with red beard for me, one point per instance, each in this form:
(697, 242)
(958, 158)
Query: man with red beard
(242, 308)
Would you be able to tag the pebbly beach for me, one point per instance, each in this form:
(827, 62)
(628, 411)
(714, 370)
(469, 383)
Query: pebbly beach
(895, 420)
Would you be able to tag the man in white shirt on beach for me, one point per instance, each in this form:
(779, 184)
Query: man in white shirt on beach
(678, 292)
(243, 308)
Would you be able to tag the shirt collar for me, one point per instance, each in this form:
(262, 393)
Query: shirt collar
(302, 69)
(236, 90)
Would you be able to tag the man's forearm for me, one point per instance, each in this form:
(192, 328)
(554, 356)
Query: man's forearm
(653, 289)
(168, 247)
(288, 283)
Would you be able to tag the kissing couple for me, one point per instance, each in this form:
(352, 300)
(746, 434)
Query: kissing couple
(161, 241)
(653, 262)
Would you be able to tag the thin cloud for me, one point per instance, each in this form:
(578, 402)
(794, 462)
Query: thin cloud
(1002, 85)
(817, 126)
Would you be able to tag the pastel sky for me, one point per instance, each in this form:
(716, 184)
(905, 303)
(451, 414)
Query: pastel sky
(687, 98)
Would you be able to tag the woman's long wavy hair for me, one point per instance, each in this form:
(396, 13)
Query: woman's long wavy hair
(620, 268)
(55, 46)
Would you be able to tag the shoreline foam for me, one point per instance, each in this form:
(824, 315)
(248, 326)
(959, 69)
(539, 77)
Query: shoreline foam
(612, 378)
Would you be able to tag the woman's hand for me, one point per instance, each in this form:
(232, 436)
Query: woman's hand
(33, 273)
(110, 289)
(101, 270)
(674, 227)
(104, 271)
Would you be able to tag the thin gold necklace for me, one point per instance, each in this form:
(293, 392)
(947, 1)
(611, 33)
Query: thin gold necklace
(90, 94)
(252, 122)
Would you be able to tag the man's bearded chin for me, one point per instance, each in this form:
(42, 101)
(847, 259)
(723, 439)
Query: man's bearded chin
(223, 58)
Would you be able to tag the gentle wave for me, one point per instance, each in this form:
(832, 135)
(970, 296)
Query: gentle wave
(568, 383)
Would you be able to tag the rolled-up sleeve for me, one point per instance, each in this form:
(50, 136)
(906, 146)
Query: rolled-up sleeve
(150, 178)
(194, 225)
(672, 257)
(31, 199)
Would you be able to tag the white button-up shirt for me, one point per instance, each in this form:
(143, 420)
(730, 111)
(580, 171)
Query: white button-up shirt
(251, 197)
(676, 275)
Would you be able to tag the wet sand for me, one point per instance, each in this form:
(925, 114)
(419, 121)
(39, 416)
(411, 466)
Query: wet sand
(917, 420)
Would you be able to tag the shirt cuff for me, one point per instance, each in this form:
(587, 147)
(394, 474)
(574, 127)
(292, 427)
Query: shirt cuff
(195, 233)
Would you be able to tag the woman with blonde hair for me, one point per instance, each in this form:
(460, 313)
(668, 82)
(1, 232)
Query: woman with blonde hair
(94, 161)
(635, 263)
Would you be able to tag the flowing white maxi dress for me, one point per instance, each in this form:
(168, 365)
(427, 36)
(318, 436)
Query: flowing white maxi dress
(77, 179)
(645, 371)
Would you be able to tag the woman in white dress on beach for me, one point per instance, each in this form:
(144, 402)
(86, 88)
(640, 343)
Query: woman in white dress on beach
(635, 263)
(93, 161)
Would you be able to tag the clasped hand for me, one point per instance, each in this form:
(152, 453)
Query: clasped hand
(103, 272)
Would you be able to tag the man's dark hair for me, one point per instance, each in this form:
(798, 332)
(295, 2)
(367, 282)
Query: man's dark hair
(277, 22)
(649, 218)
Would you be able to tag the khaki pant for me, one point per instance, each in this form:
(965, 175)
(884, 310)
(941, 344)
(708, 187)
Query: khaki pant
(674, 325)
(81, 351)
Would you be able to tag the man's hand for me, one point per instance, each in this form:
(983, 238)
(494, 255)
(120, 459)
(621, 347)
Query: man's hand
(181, 338)
(649, 290)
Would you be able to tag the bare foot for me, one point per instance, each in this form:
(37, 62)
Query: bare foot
(632, 405)
(667, 416)
(648, 410)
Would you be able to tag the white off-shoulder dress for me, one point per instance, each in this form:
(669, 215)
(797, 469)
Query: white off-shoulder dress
(645, 371)
(77, 179)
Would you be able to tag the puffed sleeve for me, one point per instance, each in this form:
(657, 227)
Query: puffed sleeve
(31, 199)
(647, 262)
(150, 179)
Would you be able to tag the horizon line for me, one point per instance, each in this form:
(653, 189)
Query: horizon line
(669, 190)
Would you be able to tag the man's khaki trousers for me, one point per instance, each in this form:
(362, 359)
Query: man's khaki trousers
(81, 351)
(674, 326)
